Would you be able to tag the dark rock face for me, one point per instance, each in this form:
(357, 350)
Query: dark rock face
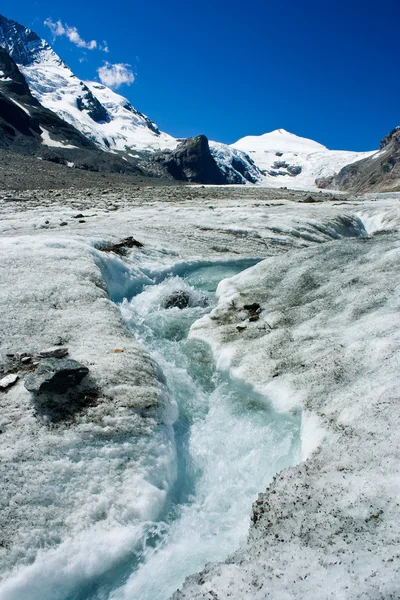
(96, 111)
(56, 375)
(379, 173)
(14, 82)
(192, 161)
(241, 167)
(13, 116)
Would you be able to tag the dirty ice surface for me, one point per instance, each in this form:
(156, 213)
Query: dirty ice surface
(196, 415)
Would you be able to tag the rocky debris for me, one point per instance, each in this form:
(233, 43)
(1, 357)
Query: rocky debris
(310, 199)
(284, 168)
(56, 375)
(122, 247)
(7, 381)
(179, 299)
(54, 352)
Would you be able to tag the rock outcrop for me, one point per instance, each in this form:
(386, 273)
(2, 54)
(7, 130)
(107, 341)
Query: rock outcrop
(378, 173)
(192, 161)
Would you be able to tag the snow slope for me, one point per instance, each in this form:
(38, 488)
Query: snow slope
(288, 160)
(99, 113)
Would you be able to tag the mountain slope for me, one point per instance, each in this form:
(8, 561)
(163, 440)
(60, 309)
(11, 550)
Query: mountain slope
(285, 159)
(102, 116)
(379, 172)
(24, 121)
(109, 121)
(27, 127)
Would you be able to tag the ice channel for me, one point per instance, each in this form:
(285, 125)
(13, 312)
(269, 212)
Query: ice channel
(229, 440)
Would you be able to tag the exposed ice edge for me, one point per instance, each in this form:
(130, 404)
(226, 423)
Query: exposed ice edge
(329, 527)
(70, 473)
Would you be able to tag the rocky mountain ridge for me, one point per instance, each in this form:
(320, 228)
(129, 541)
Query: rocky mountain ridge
(130, 140)
(377, 173)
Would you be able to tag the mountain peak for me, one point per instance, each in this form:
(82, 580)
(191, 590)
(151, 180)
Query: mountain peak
(278, 140)
(23, 45)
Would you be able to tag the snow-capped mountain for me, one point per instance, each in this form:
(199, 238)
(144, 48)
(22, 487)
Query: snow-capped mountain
(103, 116)
(110, 121)
(285, 159)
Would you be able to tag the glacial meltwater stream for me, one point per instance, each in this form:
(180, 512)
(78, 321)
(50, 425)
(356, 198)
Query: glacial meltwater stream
(229, 440)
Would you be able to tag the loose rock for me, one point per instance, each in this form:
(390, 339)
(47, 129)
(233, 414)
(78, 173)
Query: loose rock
(54, 352)
(8, 381)
(178, 299)
(56, 375)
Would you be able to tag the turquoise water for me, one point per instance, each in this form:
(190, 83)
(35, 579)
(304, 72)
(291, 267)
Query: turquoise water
(230, 442)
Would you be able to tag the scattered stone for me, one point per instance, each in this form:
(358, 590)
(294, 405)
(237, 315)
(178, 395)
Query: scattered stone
(54, 352)
(8, 381)
(310, 200)
(63, 224)
(56, 375)
(254, 308)
(81, 221)
(21, 355)
(241, 326)
(80, 216)
(26, 360)
(178, 299)
(254, 318)
(121, 247)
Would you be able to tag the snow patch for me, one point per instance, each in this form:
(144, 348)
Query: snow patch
(48, 141)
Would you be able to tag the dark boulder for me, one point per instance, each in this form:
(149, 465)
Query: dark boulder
(56, 375)
(179, 299)
(122, 247)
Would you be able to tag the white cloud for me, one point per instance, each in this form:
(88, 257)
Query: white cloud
(116, 75)
(58, 29)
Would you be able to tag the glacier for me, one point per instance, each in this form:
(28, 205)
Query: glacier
(84, 500)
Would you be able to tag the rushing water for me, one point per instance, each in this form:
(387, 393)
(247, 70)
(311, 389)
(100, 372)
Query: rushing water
(230, 442)
(187, 499)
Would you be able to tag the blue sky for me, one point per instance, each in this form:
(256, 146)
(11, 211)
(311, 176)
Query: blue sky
(324, 70)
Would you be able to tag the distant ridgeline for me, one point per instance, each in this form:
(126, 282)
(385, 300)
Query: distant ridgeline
(88, 126)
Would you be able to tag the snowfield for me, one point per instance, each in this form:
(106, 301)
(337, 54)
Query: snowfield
(80, 487)
(288, 160)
